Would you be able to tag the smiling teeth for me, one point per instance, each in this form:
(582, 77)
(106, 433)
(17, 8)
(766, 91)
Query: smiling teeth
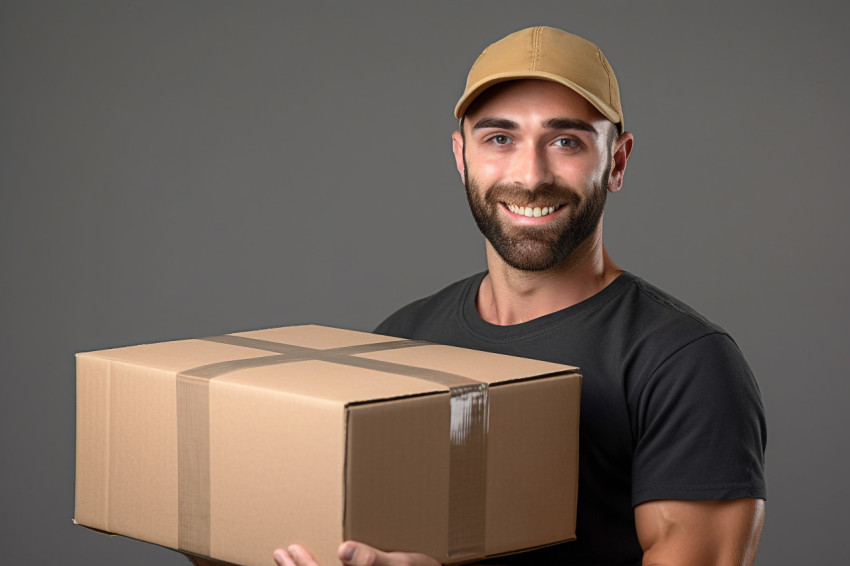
(532, 212)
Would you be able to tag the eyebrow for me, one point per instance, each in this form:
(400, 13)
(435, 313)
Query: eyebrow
(568, 124)
(550, 124)
(500, 123)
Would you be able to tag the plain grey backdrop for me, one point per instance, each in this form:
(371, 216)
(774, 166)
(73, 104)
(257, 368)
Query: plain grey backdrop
(179, 169)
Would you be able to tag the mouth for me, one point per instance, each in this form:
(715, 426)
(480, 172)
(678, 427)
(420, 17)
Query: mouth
(531, 211)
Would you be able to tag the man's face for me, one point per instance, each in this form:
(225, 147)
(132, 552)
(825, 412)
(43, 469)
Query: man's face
(536, 162)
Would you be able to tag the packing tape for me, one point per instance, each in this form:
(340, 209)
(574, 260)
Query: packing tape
(469, 408)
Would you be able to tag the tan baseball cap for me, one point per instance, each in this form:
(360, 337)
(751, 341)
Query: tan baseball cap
(550, 54)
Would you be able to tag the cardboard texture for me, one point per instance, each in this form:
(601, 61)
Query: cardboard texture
(230, 447)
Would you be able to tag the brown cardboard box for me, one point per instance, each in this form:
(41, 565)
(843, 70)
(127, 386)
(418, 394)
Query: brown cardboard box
(233, 446)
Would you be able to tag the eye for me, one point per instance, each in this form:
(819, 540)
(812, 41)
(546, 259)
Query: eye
(500, 139)
(567, 143)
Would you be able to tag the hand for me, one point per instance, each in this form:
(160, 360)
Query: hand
(353, 554)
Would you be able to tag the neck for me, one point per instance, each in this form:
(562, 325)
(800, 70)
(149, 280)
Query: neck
(511, 296)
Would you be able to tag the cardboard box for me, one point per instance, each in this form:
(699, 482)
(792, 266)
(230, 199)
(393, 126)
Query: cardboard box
(233, 446)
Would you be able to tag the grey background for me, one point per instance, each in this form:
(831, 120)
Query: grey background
(176, 169)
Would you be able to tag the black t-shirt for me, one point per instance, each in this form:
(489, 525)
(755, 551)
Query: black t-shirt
(669, 407)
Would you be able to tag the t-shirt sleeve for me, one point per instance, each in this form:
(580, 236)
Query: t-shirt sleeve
(700, 427)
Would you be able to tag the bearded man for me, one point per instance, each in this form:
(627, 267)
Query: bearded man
(672, 430)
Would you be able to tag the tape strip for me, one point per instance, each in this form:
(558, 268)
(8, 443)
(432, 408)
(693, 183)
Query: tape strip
(469, 407)
(193, 463)
(470, 415)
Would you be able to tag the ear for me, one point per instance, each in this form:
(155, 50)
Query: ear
(457, 149)
(619, 157)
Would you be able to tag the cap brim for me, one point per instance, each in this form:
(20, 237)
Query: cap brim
(475, 91)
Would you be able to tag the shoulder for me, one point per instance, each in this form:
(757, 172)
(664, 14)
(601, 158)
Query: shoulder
(672, 308)
(688, 365)
(652, 334)
(696, 413)
(649, 313)
(414, 319)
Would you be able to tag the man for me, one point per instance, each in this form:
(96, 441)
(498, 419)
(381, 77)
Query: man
(672, 428)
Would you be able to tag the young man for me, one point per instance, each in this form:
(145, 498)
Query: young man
(672, 427)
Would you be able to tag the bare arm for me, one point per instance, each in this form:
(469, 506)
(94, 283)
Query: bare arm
(700, 533)
(671, 533)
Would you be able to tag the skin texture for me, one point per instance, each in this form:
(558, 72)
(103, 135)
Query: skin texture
(723, 533)
(353, 554)
(527, 137)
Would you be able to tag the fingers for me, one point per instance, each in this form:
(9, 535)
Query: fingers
(358, 554)
(353, 554)
(295, 555)
(282, 558)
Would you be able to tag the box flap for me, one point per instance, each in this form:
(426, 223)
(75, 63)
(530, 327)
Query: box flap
(316, 375)
(486, 367)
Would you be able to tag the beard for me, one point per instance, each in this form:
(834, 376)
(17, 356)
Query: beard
(537, 248)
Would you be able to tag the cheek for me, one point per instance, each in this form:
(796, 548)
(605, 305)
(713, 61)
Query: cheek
(490, 172)
(583, 172)
(488, 168)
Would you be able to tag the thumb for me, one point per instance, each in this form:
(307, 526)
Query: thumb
(358, 554)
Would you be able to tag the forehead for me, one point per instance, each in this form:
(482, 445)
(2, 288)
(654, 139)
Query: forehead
(532, 99)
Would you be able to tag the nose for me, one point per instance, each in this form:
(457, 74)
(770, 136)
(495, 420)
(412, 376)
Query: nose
(530, 167)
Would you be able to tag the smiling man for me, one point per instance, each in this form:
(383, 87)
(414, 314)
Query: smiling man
(672, 427)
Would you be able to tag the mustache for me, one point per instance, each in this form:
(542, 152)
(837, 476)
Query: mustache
(542, 195)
